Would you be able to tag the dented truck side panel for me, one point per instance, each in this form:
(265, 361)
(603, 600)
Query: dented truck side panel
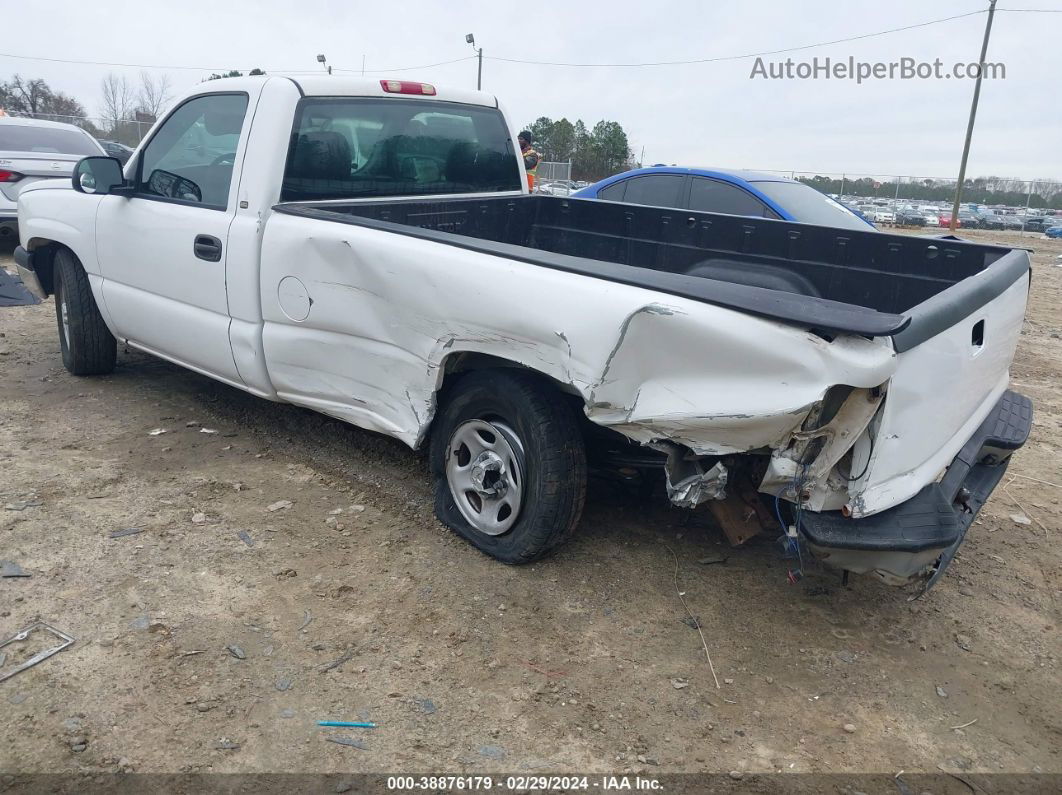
(386, 313)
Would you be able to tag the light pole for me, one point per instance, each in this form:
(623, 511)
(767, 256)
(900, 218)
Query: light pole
(479, 53)
(321, 60)
(973, 115)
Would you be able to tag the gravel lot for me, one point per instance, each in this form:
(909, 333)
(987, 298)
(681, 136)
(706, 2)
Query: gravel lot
(215, 638)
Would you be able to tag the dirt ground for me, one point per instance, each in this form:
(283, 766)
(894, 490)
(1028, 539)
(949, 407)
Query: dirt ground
(215, 638)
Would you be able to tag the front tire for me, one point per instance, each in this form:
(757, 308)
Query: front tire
(508, 464)
(87, 345)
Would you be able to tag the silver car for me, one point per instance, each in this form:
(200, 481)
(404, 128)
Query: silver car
(31, 150)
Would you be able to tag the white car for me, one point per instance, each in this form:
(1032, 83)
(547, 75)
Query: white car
(31, 150)
(408, 284)
(561, 188)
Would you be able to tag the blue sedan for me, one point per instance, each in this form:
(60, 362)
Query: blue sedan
(725, 191)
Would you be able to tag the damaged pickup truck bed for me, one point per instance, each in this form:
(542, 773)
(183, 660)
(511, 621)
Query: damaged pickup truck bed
(856, 380)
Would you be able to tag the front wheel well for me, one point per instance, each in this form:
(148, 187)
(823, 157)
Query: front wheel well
(44, 252)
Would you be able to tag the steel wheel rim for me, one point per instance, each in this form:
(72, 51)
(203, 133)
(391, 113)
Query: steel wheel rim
(485, 473)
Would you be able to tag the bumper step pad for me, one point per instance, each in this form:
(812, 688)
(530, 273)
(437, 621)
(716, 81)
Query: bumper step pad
(938, 516)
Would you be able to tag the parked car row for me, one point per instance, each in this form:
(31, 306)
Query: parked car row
(971, 216)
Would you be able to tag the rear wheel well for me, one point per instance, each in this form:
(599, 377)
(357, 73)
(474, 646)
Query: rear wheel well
(457, 364)
(601, 442)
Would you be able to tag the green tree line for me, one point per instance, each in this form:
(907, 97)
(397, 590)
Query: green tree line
(1046, 193)
(595, 153)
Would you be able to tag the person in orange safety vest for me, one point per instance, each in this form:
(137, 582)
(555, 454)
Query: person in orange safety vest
(531, 157)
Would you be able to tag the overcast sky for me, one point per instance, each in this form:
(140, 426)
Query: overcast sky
(702, 114)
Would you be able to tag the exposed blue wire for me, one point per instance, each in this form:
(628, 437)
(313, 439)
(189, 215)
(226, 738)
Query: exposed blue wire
(792, 545)
(778, 513)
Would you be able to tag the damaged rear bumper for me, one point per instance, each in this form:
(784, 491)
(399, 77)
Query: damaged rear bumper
(923, 534)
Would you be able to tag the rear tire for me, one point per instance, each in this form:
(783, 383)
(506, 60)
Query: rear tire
(87, 345)
(537, 448)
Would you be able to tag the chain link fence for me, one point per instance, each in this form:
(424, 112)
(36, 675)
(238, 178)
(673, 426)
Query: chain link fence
(554, 178)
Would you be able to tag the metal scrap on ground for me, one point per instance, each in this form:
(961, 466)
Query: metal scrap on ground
(129, 531)
(349, 741)
(9, 568)
(39, 656)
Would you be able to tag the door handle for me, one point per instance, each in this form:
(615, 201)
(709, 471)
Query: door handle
(207, 247)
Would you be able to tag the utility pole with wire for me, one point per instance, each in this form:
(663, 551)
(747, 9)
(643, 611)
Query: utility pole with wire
(324, 62)
(973, 115)
(479, 54)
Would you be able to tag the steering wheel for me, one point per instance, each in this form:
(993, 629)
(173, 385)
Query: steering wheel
(228, 157)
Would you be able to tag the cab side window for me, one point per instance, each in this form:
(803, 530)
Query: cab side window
(191, 157)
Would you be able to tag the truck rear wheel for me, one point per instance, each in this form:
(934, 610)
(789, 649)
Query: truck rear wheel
(87, 345)
(508, 464)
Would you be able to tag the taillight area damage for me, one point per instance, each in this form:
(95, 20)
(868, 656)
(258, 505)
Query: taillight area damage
(817, 466)
(800, 400)
(829, 455)
(784, 413)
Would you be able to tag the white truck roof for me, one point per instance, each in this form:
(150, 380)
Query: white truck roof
(325, 85)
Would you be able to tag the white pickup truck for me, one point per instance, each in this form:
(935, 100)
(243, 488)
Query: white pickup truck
(369, 249)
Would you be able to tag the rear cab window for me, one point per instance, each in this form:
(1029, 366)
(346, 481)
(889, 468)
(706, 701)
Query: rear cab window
(45, 140)
(367, 147)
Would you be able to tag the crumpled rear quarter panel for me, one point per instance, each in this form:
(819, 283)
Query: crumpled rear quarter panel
(387, 310)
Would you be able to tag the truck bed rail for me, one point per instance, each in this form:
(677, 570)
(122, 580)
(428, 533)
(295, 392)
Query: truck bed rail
(825, 279)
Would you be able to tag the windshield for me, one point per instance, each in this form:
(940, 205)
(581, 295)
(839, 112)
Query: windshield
(354, 148)
(809, 206)
(51, 140)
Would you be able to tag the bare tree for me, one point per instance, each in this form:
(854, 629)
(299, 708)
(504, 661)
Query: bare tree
(154, 93)
(26, 96)
(118, 100)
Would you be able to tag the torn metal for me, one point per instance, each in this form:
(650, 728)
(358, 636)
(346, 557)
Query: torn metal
(689, 482)
(806, 470)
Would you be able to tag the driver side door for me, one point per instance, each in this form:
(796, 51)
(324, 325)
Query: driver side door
(162, 251)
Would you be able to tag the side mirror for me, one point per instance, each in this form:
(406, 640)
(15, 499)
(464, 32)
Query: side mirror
(166, 183)
(99, 176)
